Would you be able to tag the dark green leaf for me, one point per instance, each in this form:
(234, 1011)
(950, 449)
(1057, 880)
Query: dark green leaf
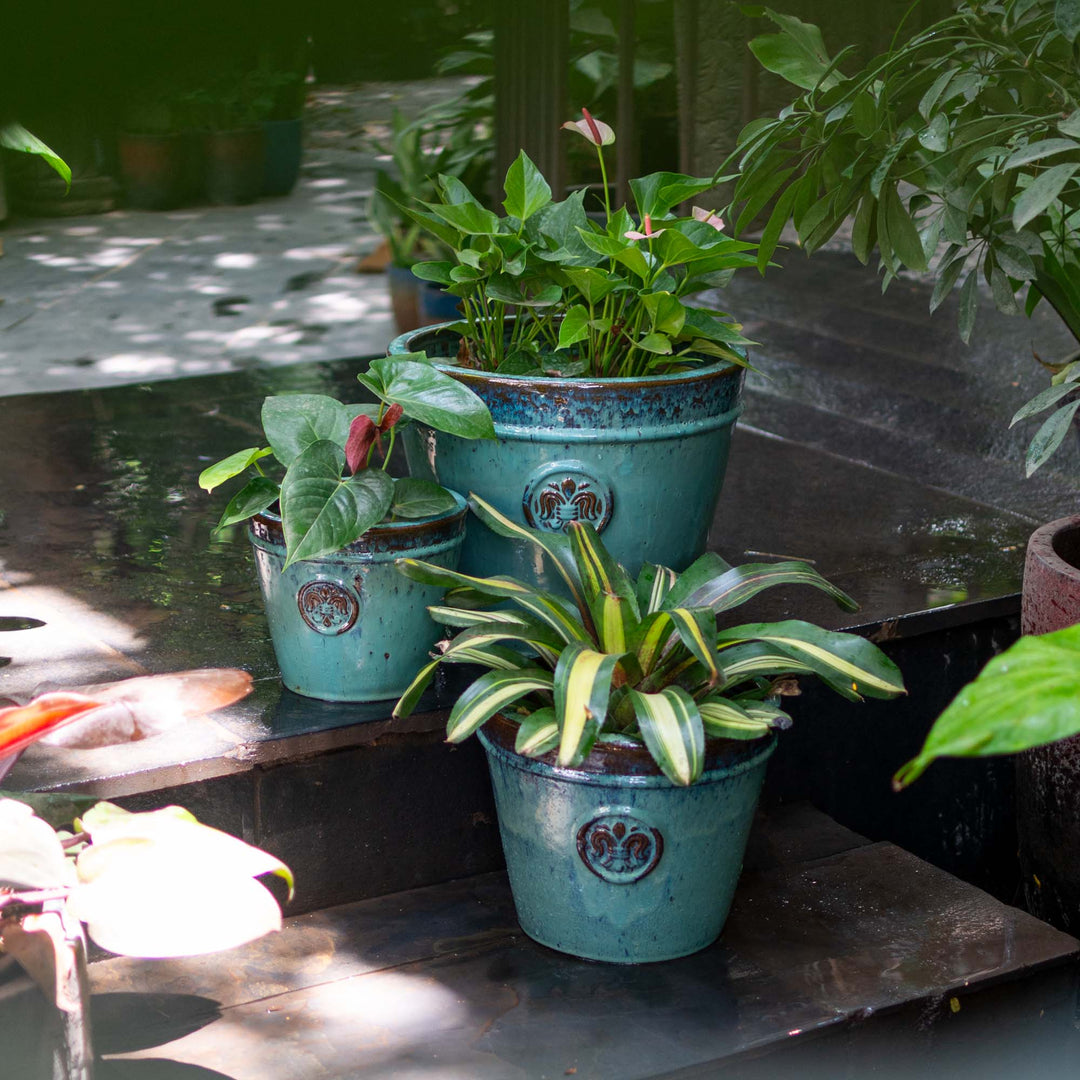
(1050, 436)
(320, 511)
(526, 189)
(431, 397)
(415, 499)
(1041, 192)
(292, 422)
(257, 495)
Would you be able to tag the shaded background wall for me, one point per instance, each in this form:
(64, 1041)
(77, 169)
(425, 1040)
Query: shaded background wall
(77, 74)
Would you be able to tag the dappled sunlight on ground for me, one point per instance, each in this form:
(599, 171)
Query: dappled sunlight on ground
(134, 296)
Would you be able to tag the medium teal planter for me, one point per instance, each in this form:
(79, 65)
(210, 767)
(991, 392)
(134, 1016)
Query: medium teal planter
(612, 861)
(643, 460)
(349, 627)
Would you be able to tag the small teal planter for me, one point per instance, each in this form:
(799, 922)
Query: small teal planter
(643, 460)
(349, 627)
(282, 154)
(612, 861)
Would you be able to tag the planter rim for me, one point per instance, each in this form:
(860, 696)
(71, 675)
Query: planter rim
(619, 766)
(1041, 545)
(721, 369)
(387, 531)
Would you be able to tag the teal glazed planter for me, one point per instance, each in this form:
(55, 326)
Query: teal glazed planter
(642, 460)
(349, 627)
(612, 861)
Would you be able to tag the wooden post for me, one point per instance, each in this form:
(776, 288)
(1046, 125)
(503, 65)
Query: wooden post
(531, 50)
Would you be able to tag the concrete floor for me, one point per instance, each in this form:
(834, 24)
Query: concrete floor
(134, 296)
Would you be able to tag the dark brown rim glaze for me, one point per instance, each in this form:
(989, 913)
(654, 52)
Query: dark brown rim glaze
(607, 760)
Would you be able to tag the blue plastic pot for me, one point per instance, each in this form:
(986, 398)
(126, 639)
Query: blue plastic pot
(435, 305)
(643, 459)
(614, 862)
(349, 627)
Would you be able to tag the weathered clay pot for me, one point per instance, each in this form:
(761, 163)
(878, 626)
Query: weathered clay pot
(152, 169)
(611, 861)
(1048, 778)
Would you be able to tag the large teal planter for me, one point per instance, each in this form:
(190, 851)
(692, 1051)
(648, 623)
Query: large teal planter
(643, 460)
(349, 627)
(612, 861)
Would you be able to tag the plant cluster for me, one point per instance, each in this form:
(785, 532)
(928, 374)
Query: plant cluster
(335, 485)
(438, 142)
(633, 662)
(958, 148)
(602, 298)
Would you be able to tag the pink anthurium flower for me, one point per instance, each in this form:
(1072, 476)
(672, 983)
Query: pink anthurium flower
(596, 131)
(648, 234)
(701, 214)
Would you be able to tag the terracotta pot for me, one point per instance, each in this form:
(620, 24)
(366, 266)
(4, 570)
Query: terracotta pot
(1048, 779)
(152, 169)
(234, 166)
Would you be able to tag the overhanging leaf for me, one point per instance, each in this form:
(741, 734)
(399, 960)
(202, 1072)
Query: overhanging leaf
(1026, 697)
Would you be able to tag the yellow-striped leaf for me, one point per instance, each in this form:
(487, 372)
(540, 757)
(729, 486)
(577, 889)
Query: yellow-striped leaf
(493, 691)
(413, 692)
(600, 574)
(582, 689)
(671, 726)
(465, 617)
(496, 657)
(554, 545)
(430, 574)
(739, 583)
(556, 613)
(848, 663)
(726, 719)
(537, 734)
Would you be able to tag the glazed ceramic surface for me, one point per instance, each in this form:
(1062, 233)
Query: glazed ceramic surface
(282, 154)
(349, 627)
(642, 460)
(623, 866)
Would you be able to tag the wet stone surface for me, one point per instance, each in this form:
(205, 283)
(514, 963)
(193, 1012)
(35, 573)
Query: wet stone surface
(105, 534)
(835, 947)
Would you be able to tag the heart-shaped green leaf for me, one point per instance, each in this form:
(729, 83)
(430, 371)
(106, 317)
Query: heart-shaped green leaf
(415, 498)
(322, 511)
(432, 397)
(292, 422)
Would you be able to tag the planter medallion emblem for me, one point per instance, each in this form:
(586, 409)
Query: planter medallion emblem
(328, 607)
(562, 492)
(619, 847)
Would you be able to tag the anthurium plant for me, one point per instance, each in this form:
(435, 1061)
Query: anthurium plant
(335, 484)
(1027, 696)
(653, 661)
(957, 150)
(592, 298)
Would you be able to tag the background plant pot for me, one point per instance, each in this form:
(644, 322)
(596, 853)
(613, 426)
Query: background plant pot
(643, 460)
(349, 627)
(233, 166)
(1048, 778)
(436, 306)
(282, 153)
(614, 862)
(192, 167)
(152, 170)
(404, 297)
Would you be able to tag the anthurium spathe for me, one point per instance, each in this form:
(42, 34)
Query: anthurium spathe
(592, 298)
(333, 489)
(657, 662)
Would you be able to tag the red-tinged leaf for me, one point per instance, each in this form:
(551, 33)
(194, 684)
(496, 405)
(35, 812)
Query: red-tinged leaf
(393, 415)
(362, 434)
(22, 725)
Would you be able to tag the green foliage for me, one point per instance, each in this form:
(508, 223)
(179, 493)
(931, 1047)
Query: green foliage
(642, 660)
(602, 298)
(1027, 696)
(960, 145)
(331, 493)
(16, 137)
